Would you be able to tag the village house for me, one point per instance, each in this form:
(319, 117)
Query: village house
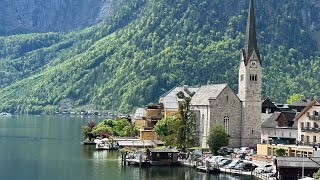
(300, 139)
(308, 124)
(173, 97)
(279, 128)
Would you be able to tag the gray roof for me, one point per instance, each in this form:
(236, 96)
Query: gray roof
(265, 116)
(296, 162)
(207, 92)
(170, 99)
(271, 122)
(164, 150)
(301, 102)
(140, 113)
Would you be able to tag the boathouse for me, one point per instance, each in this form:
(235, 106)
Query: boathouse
(296, 167)
(163, 157)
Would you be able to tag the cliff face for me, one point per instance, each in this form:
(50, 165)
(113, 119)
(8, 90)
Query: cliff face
(24, 16)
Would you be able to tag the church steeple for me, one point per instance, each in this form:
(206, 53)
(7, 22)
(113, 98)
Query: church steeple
(250, 81)
(251, 39)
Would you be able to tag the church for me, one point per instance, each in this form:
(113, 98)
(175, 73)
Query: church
(240, 114)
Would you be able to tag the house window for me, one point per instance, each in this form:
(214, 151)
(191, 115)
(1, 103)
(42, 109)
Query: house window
(307, 114)
(308, 139)
(255, 78)
(315, 125)
(242, 77)
(308, 124)
(226, 124)
(275, 133)
(314, 139)
(302, 137)
(289, 134)
(302, 125)
(227, 98)
(316, 113)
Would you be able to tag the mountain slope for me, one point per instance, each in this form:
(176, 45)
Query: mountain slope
(25, 16)
(147, 47)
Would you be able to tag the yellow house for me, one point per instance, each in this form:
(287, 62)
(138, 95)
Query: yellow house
(147, 134)
(153, 114)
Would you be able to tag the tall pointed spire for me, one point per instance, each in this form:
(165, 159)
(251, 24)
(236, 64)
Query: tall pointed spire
(251, 39)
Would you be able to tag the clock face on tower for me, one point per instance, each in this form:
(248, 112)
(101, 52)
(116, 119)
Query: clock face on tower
(253, 64)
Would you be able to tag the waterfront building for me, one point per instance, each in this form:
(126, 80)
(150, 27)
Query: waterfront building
(296, 167)
(164, 156)
(279, 128)
(308, 124)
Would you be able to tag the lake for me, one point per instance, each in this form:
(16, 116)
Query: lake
(48, 147)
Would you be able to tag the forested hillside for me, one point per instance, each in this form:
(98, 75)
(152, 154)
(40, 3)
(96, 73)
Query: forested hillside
(148, 46)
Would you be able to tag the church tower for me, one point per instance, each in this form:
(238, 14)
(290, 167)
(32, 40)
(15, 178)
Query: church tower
(250, 79)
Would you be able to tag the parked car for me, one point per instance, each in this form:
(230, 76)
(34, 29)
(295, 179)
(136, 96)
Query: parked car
(233, 164)
(244, 150)
(214, 158)
(248, 157)
(225, 151)
(224, 162)
(264, 168)
(246, 166)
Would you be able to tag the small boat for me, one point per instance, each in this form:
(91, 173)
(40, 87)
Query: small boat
(88, 143)
(105, 144)
(5, 114)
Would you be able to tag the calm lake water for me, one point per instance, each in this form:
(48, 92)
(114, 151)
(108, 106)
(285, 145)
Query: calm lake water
(48, 147)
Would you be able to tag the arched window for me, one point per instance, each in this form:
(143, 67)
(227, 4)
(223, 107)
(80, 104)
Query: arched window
(226, 124)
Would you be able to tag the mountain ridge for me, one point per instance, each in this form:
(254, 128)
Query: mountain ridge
(147, 47)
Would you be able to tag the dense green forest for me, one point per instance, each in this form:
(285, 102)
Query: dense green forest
(147, 47)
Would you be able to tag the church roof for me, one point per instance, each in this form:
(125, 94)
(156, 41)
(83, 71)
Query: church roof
(207, 92)
(250, 39)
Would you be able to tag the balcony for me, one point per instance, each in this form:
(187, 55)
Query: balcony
(314, 117)
(155, 117)
(310, 129)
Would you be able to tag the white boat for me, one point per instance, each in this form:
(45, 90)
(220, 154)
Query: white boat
(105, 144)
(5, 114)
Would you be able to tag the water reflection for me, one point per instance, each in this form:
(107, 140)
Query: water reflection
(48, 147)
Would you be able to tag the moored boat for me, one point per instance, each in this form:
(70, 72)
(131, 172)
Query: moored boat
(5, 114)
(105, 144)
